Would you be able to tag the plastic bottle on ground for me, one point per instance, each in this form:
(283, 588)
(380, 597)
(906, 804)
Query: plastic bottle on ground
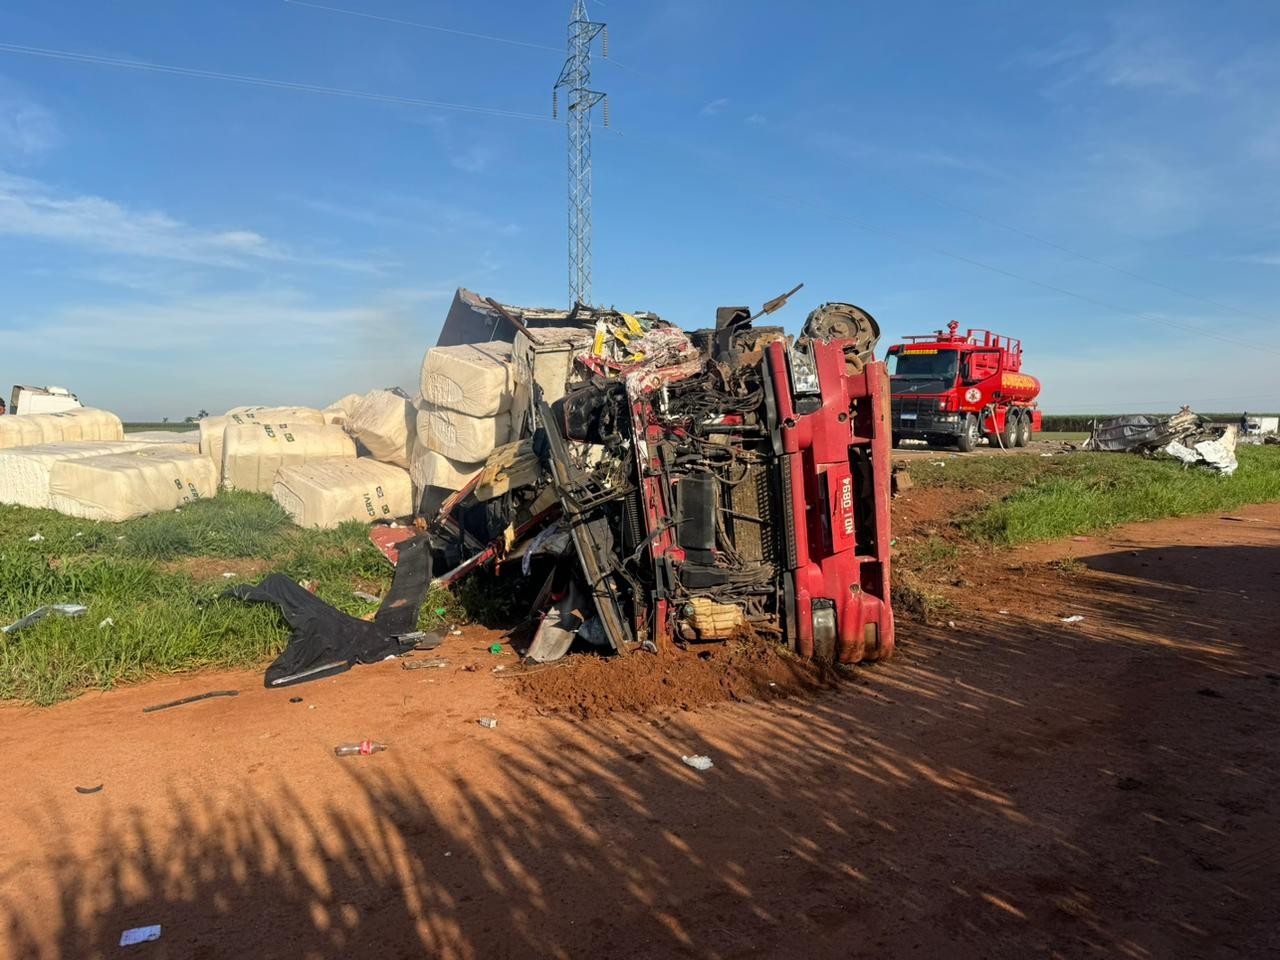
(361, 749)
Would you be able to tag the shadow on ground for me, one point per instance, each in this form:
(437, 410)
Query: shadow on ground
(1011, 788)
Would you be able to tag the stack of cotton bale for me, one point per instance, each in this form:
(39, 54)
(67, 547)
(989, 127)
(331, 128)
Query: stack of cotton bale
(371, 484)
(254, 452)
(213, 430)
(84, 423)
(463, 414)
(25, 472)
(122, 486)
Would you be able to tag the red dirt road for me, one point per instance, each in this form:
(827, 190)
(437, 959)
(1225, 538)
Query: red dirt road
(1011, 787)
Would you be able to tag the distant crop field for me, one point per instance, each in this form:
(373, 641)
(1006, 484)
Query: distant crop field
(175, 427)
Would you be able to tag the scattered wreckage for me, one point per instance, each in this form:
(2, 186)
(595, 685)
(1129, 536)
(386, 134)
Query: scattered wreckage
(1185, 436)
(689, 487)
(661, 487)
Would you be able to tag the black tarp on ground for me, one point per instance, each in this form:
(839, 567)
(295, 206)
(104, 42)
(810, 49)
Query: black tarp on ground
(325, 640)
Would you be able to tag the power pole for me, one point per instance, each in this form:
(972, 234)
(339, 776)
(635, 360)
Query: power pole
(576, 78)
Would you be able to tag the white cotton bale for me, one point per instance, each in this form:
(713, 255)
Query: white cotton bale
(84, 423)
(339, 411)
(293, 415)
(431, 469)
(459, 436)
(122, 486)
(175, 441)
(25, 471)
(471, 378)
(253, 453)
(384, 422)
(325, 493)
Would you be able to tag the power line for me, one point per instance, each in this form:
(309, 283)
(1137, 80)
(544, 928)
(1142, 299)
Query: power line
(266, 82)
(906, 240)
(460, 33)
(1084, 256)
(425, 26)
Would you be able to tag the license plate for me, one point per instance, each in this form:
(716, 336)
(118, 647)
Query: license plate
(908, 416)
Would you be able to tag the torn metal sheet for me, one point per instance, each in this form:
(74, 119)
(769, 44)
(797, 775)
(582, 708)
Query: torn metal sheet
(35, 616)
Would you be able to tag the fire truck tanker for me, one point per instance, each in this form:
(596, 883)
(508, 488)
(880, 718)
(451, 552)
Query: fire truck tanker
(949, 389)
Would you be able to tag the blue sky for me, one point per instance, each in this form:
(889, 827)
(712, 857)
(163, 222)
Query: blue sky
(1097, 178)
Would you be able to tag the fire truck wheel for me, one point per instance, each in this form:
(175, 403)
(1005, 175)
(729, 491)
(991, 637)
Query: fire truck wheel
(1012, 430)
(968, 439)
(1024, 430)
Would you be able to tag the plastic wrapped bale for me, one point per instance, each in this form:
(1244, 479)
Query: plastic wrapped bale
(339, 411)
(176, 441)
(459, 436)
(122, 486)
(25, 471)
(294, 415)
(431, 469)
(325, 493)
(473, 379)
(85, 423)
(213, 429)
(253, 453)
(384, 423)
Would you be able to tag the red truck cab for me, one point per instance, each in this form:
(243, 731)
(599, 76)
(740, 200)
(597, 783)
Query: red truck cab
(952, 389)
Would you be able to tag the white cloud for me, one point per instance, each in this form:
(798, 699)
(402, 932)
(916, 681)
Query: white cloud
(714, 107)
(1137, 54)
(757, 120)
(474, 159)
(27, 129)
(29, 208)
(152, 356)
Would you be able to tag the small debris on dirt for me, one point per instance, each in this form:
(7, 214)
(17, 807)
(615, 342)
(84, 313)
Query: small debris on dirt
(295, 699)
(195, 699)
(495, 648)
(1074, 618)
(366, 597)
(140, 935)
(698, 762)
(431, 663)
(86, 790)
(488, 723)
(1209, 692)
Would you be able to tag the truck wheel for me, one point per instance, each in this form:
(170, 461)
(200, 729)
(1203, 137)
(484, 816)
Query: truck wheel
(1024, 430)
(1012, 426)
(968, 439)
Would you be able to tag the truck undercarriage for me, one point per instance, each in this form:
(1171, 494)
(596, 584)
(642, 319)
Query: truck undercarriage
(702, 487)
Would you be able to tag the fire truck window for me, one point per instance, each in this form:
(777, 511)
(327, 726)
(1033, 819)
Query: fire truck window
(933, 365)
(983, 364)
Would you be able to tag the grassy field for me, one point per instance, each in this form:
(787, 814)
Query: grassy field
(1041, 498)
(159, 580)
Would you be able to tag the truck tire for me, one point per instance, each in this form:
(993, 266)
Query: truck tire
(968, 439)
(1012, 426)
(1024, 430)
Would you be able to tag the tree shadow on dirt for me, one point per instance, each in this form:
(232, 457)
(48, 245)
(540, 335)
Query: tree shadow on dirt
(1002, 790)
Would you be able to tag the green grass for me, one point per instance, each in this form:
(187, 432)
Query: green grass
(1049, 497)
(166, 619)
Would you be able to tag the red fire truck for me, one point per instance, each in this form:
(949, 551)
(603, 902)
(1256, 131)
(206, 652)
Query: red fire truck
(948, 389)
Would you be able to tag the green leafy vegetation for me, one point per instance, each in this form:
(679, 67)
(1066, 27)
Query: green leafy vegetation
(160, 580)
(1042, 498)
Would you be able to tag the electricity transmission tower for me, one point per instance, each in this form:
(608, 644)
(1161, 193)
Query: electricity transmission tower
(575, 76)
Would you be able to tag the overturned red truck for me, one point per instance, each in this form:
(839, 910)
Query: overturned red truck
(690, 487)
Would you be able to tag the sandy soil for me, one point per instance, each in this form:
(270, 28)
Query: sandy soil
(1013, 786)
